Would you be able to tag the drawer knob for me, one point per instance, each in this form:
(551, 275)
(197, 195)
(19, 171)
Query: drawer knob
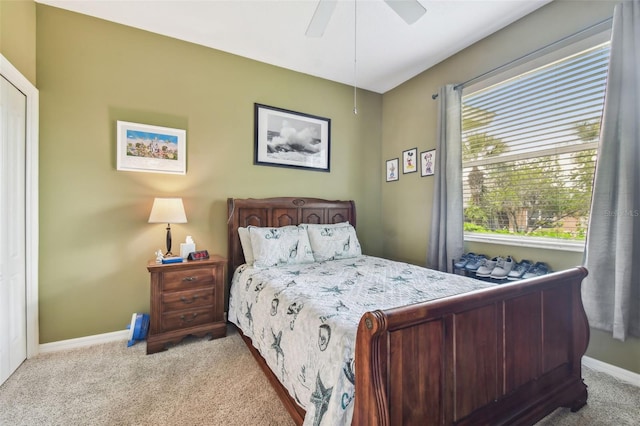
(189, 301)
(189, 279)
(185, 319)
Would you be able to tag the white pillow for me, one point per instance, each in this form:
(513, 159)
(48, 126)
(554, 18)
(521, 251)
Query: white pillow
(245, 242)
(336, 241)
(280, 246)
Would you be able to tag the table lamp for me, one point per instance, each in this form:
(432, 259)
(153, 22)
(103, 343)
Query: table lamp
(168, 210)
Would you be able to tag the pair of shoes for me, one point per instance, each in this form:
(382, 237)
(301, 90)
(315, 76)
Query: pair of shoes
(536, 270)
(497, 268)
(519, 269)
(486, 266)
(464, 259)
(503, 268)
(475, 262)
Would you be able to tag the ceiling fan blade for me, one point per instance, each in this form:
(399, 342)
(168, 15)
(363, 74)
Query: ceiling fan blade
(320, 18)
(409, 10)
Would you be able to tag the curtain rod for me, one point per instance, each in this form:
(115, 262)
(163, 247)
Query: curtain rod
(604, 22)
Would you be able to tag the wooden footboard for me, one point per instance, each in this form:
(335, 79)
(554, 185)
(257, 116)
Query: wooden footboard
(505, 355)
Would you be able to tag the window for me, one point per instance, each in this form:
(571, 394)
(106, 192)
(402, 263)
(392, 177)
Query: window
(529, 150)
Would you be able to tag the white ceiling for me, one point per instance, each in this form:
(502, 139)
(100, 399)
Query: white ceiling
(387, 50)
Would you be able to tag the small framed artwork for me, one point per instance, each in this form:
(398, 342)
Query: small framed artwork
(286, 138)
(392, 169)
(410, 161)
(427, 162)
(154, 149)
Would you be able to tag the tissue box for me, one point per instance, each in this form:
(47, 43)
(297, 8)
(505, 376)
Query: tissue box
(186, 248)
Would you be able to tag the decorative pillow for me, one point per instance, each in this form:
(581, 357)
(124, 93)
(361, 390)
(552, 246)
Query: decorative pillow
(280, 246)
(336, 241)
(245, 242)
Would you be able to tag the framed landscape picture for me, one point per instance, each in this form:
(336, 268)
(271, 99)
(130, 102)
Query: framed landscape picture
(392, 169)
(427, 162)
(286, 138)
(145, 148)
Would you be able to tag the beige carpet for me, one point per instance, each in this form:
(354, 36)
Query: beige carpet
(202, 382)
(198, 382)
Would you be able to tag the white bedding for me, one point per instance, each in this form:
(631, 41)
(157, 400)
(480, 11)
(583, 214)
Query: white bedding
(303, 319)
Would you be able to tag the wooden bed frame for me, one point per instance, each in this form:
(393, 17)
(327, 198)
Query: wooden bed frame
(504, 355)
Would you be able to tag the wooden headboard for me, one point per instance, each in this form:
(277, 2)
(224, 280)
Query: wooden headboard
(279, 211)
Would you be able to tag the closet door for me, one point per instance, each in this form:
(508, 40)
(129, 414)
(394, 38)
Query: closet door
(13, 290)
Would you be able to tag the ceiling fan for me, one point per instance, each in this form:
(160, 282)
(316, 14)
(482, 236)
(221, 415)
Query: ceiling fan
(409, 10)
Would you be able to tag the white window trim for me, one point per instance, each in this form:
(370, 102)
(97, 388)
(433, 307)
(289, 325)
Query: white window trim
(532, 242)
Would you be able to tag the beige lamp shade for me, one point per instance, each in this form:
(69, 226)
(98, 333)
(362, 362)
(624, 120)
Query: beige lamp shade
(167, 210)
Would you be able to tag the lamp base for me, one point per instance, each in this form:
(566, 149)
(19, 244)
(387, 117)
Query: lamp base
(168, 253)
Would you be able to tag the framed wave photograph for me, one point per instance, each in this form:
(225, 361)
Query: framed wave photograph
(154, 149)
(286, 138)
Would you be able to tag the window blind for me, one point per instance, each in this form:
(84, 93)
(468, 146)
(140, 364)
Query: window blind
(530, 146)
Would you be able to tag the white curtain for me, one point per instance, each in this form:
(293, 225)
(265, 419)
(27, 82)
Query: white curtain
(611, 292)
(446, 237)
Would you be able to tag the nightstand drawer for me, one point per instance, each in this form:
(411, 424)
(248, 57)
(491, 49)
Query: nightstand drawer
(188, 318)
(178, 300)
(186, 279)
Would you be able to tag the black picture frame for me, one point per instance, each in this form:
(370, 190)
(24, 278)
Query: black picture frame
(410, 161)
(427, 162)
(285, 138)
(392, 170)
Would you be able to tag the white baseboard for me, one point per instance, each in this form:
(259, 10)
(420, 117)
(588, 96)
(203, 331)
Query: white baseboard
(82, 342)
(617, 372)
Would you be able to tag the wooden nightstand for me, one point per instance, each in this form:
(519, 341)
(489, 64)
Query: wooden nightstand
(186, 299)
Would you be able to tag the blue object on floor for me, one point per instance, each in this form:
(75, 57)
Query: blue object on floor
(138, 328)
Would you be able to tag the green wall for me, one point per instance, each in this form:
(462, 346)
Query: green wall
(409, 120)
(94, 237)
(18, 35)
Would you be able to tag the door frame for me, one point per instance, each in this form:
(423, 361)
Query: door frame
(11, 73)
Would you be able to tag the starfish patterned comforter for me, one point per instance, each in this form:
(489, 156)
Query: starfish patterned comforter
(303, 319)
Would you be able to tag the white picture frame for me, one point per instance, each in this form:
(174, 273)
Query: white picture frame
(151, 149)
